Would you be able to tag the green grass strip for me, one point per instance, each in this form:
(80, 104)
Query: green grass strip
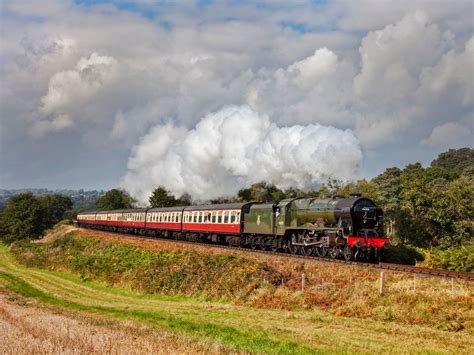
(238, 339)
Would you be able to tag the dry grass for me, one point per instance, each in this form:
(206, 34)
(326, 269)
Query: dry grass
(237, 327)
(349, 291)
(28, 328)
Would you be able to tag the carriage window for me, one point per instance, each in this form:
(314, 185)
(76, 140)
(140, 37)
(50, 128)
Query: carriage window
(226, 217)
(219, 217)
(194, 217)
(213, 217)
(232, 217)
(237, 219)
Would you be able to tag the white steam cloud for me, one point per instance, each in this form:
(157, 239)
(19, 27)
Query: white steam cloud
(235, 147)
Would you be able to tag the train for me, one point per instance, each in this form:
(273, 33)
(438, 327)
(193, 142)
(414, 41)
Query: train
(349, 228)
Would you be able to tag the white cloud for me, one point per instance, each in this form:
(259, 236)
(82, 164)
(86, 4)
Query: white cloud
(448, 134)
(69, 90)
(234, 147)
(379, 69)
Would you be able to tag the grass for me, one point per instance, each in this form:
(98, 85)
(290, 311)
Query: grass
(38, 328)
(224, 277)
(237, 326)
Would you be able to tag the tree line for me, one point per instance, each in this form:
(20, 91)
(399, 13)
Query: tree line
(424, 207)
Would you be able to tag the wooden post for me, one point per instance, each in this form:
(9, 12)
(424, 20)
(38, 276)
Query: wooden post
(303, 282)
(414, 285)
(381, 282)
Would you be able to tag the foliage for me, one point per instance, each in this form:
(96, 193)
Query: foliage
(457, 259)
(261, 192)
(459, 161)
(161, 197)
(27, 216)
(176, 271)
(115, 199)
(403, 254)
(22, 218)
(54, 208)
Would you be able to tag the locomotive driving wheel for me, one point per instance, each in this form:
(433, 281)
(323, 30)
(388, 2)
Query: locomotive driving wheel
(294, 249)
(322, 251)
(333, 252)
(347, 252)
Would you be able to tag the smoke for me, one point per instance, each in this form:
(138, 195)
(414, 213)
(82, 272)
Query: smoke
(235, 147)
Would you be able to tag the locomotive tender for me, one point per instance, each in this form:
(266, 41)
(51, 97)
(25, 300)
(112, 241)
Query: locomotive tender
(349, 228)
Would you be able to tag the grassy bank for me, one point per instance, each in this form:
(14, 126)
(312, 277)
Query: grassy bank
(241, 280)
(233, 326)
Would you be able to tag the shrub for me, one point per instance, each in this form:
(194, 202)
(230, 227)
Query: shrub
(457, 259)
(403, 254)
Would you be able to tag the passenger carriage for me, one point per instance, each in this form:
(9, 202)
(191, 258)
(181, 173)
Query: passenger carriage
(164, 219)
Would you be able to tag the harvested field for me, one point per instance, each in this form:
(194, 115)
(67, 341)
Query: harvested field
(27, 327)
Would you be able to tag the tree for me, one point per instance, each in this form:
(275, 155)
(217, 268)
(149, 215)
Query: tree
(389, 188)
(22, 218)
(261, 192)
(456, 160)
(453, 211)
(54, 206)
(160, 197)
(115, 199)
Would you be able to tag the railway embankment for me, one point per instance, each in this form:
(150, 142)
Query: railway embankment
(234, 277)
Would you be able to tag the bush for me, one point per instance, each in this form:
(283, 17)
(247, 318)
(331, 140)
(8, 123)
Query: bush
(457, 259)
(403, 254)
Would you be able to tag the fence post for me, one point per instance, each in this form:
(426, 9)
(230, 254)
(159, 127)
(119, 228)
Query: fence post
(303, 281)
(414, 285)
(381, 282)
(282, 282)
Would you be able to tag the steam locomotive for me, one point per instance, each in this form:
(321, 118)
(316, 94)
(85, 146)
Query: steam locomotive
(349, 228)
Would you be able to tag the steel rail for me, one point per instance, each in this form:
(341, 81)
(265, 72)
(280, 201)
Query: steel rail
(416, 270)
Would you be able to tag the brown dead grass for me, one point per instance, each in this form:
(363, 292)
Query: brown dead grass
(55, 233)
(343, 290)
(29, 328)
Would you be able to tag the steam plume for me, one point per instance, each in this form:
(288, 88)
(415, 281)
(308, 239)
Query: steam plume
(235, 147)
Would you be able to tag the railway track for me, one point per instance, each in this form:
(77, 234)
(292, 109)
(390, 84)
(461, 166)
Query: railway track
(415, 270)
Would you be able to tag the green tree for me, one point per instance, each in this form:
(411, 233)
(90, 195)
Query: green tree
(459, 161)
(261, 192)
(114, 199)
(54, 207)
(160, 197)
(453, 212)
(388, 185)
(22, 218)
